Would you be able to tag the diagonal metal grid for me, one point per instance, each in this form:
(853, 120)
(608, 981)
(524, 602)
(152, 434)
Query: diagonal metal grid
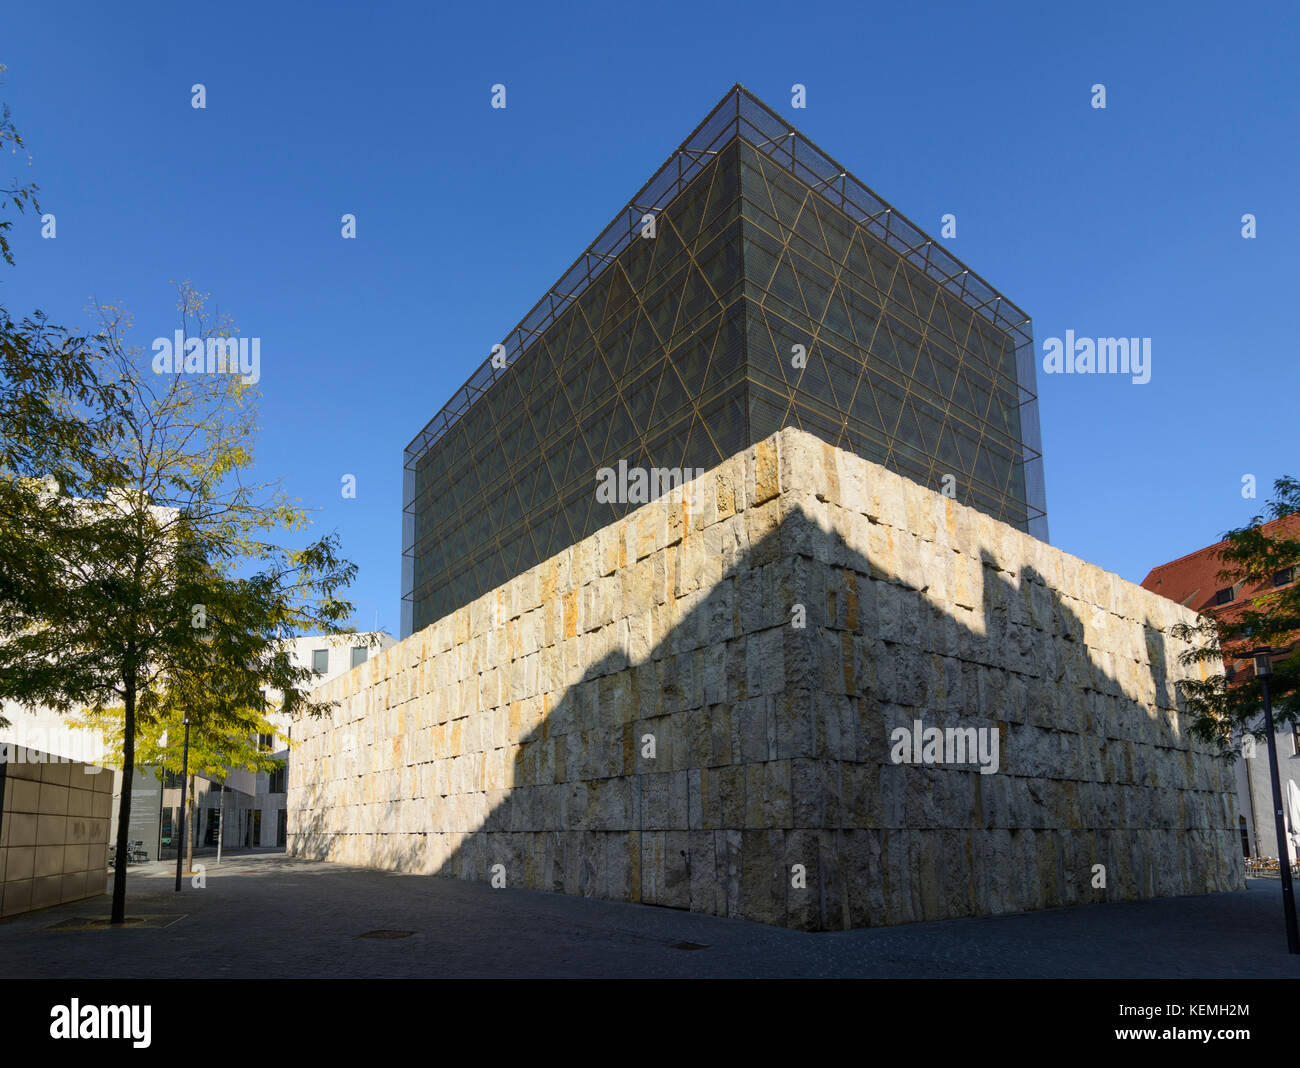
(674, 352)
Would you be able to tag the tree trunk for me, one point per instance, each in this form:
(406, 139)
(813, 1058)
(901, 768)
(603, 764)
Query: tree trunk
(124, 806)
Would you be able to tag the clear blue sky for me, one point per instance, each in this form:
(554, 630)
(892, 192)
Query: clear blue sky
(1123, 221)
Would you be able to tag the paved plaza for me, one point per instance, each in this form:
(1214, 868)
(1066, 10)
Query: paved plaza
(267, 915)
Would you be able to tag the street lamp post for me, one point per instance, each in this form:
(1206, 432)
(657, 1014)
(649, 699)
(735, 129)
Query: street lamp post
(185, 775)
(1263, 669)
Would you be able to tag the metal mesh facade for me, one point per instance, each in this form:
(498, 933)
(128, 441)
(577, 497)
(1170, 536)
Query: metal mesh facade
(676, 351)
(895, 367)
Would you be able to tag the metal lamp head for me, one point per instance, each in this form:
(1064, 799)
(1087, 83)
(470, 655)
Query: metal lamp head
(1263, 661)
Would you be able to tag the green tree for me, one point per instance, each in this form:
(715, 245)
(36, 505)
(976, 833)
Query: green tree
(171, 566)
(20, 194)
(1223, 710)
(58, 433)
(223, 735)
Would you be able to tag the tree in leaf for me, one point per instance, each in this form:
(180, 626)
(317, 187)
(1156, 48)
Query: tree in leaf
(14, 192)
(58, 434)
(1257, 555)
(172, 564)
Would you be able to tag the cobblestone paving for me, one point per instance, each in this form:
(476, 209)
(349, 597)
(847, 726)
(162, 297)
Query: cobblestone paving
(267, 915)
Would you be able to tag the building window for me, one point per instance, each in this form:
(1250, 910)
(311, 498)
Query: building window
(320, 661)
(1223, 596)
(1295, 739)
(275, 781)
(1284, 577)
(359, 654)
(265, 743)
(171, 780)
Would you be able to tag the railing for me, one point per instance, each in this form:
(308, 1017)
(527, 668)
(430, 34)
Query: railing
(1268, 866)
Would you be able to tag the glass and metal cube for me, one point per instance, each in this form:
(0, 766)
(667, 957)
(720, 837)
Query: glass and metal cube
(776, 290)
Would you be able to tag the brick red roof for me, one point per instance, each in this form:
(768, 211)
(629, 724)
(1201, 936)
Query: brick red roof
(1193, 580)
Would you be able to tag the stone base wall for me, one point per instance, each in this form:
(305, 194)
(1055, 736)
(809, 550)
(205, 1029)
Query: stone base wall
(53, 830)
(696, 707)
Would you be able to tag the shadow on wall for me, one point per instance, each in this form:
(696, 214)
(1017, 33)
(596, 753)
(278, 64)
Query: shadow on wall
(744, 766)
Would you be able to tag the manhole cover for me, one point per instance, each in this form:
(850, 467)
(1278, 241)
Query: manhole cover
(387, 934)
(688, 945)
(91, 923)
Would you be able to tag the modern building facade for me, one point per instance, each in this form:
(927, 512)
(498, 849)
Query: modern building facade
(1194, 581)
(53, 734)
(639, 717)
(752, 284)
(54, 820)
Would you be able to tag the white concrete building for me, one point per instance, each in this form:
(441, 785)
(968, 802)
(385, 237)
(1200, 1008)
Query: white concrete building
(51, 732)
(1255, 795)
(252, 813)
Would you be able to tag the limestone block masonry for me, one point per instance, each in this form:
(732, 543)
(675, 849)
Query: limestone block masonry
(696, 707)
(53, 830)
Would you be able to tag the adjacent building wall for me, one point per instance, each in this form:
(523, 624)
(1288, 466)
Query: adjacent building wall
(53, 831)
(643, 718)
(1255, 792)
